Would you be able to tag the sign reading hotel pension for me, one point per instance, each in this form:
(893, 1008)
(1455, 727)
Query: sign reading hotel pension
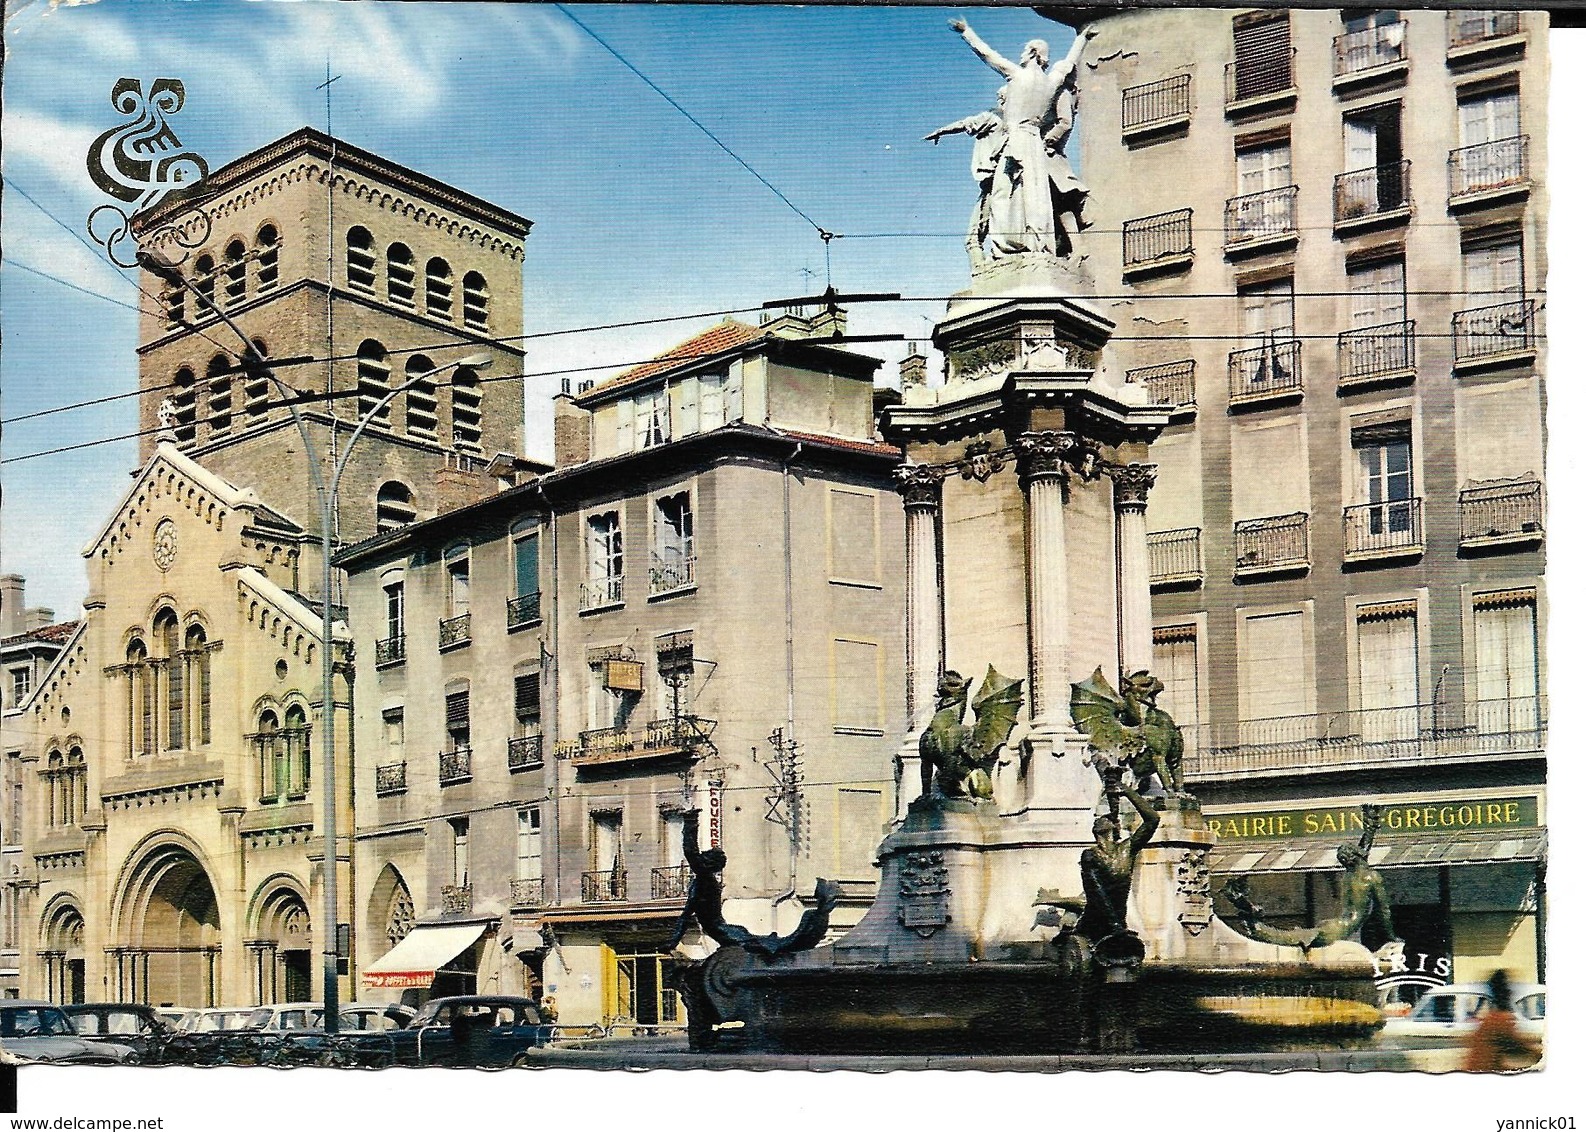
(1398, 817)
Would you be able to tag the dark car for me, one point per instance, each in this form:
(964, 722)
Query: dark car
(121, 1023)
(38, 1031)
(485, 1031)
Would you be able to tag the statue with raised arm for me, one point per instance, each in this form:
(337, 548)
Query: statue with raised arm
(1036, 185)
(1106, 869)
(985, 159)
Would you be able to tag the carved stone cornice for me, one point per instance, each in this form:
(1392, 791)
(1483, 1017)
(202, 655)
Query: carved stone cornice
(1054, 454)
(1131, 484)
(920, 485)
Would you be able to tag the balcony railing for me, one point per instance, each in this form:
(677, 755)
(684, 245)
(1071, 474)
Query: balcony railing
(1269, 370)
(668, 574)
(1266, 215)
(1375, 351)
(457, 899)
(1172, 383)
(1465, 29)
(620, 744)
(1366, 193)
(1499, 511)
(1489, 167)
(528, 892)
(1486, 332)
(605, 887)
(1367, 49)
(1156, 104)
(392, 650)
(1282, 542)
(391, 779)
(1258, 77)
(526, 752)
(524, 610)
(1375, 737)
(1175, 555)
(1373, 529)
(456, 766)
(600, 593)
(1151, 239)
(670, 883)
(456, 630)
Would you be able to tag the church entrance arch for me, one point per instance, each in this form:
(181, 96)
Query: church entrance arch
(169, 931)
(64, 961)
(281, 946)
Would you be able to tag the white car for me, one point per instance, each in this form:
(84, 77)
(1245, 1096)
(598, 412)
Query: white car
(1448, 1014)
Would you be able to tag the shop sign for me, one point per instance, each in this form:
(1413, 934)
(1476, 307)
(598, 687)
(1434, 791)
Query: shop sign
(715, 813)
(1397, 817)
(624, 676)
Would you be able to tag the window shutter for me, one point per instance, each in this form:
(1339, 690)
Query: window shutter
(526, 695)
(456, 710)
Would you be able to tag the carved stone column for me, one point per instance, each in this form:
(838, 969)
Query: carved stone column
(1131, 483)
(1043, 465)
(921, 488)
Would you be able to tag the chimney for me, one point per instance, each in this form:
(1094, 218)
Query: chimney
(831, 322)
(12, 605)
(37, 618)
(458, 484)
(793, 322)
(570, 425)
(913, 370)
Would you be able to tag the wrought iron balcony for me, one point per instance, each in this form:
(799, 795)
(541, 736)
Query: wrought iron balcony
(1374, 352)
(1468, 28)
(456, 630)
(660, 738)
(391, 651)
(391, 779)
(1172, 383)
(1370, 194)
(1279, 543)
(1375, 530)
(670, 883)
(1267, 215)
(456, 766)
(1271, 369)
(600, 593)
(1490, 167)
(526, 752)
(1151, 240)
(1368, 49)
(528, 892)
(1371, 738)
(1257, 78)
(668, 574)
(1157, 105)
(1500, 511)
(1491, 332)
(1175, 556)
(457, 899)
(524, 610)
(605, 887)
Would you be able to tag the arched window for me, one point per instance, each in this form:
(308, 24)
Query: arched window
(198, 683)
(76, 786)
(268, 248)
(256, 383)
(476, 302)
(140, 701)
(465, 409)
(185, 397)
(399, 275)
(204, 280)
(374, 382)
(236, 272)
(218, 378)
(174, 300)
(393, 506)
(297, 753)
(421, 399)
(360, 260)
(438, 288)
(166, 634)
(271, 752)
(54, 772)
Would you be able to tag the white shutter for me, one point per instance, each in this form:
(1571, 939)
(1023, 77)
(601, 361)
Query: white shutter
(625, 426)
(1272, 667)
(1506, 675)
(1389, 675)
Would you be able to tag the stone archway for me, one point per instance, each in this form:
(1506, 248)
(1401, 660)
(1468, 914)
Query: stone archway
(65, 965)
(282, 946)
(168, 931)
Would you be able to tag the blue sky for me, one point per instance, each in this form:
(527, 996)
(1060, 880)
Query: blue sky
(637, 214)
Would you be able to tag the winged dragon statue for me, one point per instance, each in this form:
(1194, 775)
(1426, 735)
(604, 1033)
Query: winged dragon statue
(956, 760)
(1128, 730)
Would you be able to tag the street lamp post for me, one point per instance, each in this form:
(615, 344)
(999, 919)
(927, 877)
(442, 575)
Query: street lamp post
(326, 494)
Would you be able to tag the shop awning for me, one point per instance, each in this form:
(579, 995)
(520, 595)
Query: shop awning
(1468, 847)
(415, 959)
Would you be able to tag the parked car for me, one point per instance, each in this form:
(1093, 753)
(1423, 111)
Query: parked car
(286, 1017)
(176, 1017)
(40, 1031)
(364, 1017)
(1445, 1015)
(208, 1037)
(474, 1030)
(121, 1023)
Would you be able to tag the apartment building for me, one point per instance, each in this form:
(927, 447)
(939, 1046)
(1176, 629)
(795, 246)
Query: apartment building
(1344, 306)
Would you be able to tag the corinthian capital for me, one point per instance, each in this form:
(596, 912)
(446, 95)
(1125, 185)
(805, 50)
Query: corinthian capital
(1049, 453)
(1131, 483)
(919, 484)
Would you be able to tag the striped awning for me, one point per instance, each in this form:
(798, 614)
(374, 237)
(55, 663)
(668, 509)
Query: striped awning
(1468, 847)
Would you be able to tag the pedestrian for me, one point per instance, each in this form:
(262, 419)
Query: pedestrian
(1496, 1044)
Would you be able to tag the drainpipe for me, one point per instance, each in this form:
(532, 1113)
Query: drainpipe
(791, 892)
(556, 685)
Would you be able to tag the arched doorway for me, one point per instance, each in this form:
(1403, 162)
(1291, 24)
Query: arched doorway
(169, 932)
(64, 962)
(282, 947)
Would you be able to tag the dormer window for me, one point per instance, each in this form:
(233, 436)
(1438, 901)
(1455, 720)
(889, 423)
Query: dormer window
(652, 419)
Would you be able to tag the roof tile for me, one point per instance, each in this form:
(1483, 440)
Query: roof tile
(729, 334)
